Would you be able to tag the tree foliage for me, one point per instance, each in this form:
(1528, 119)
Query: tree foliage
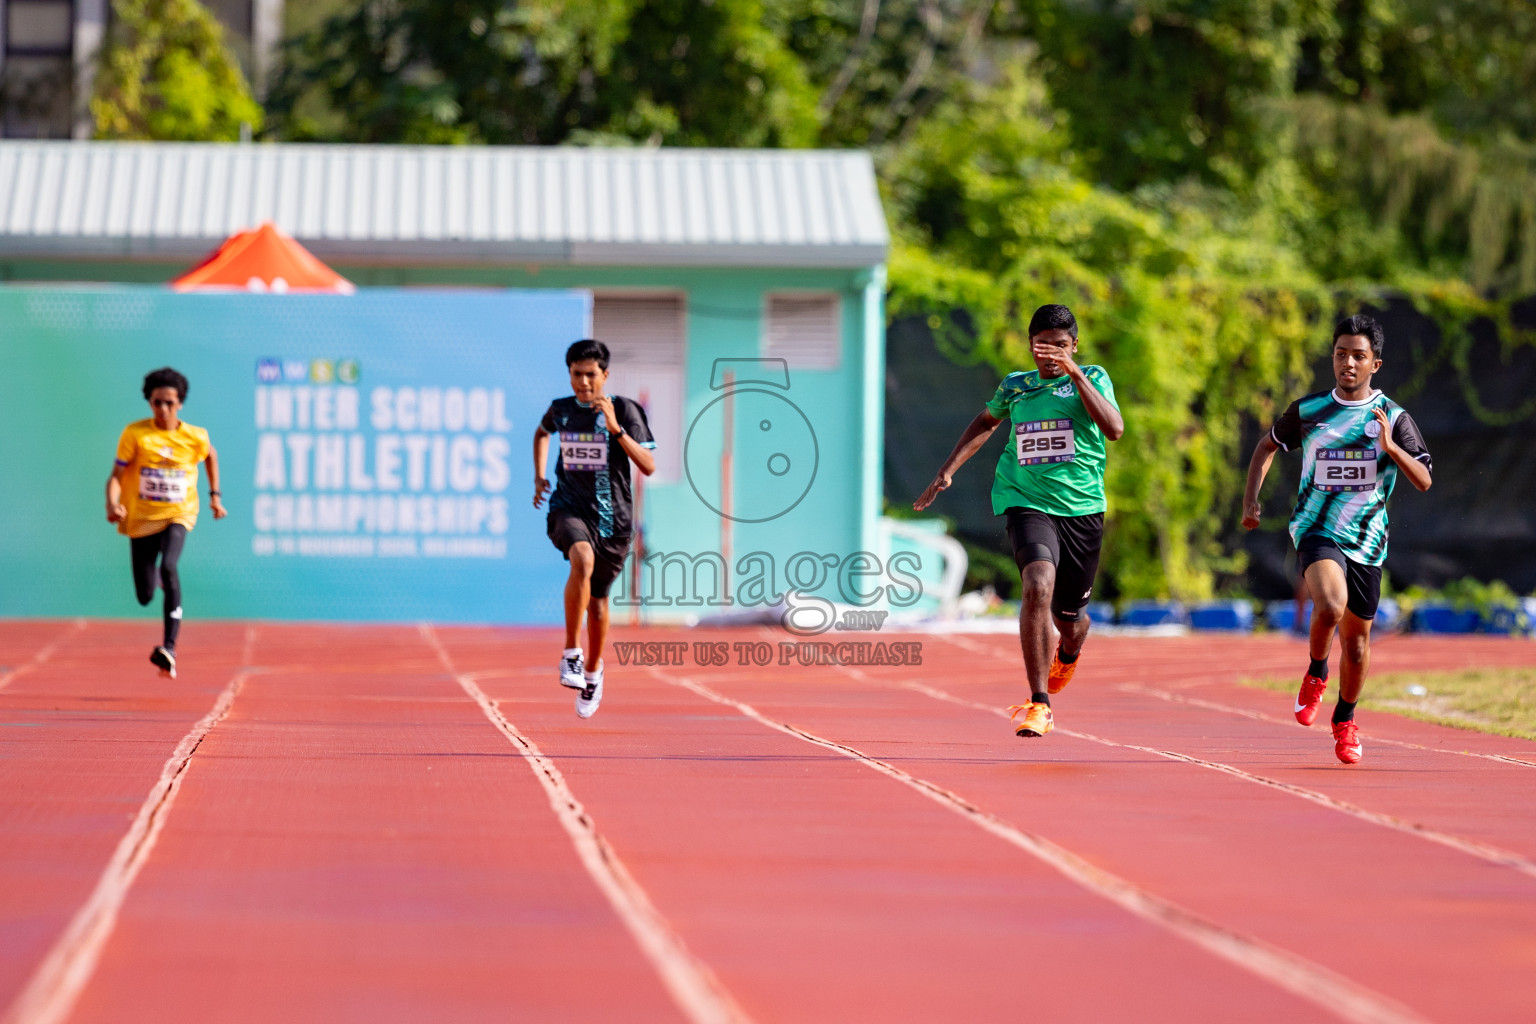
(1202, 319)
(546, 71)
(167, 74)
(1207, 182)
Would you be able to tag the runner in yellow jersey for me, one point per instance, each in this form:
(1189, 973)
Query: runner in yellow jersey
(152, 497)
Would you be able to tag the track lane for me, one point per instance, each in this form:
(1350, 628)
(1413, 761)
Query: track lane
(359, 845)
(1485, 799)
(1438, 929)
(819, 891)
(83, 742)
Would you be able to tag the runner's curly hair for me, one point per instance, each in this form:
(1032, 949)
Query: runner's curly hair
(165, 377)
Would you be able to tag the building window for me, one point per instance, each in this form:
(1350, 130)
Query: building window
(645, 336)
(36, 87)
(805, 329)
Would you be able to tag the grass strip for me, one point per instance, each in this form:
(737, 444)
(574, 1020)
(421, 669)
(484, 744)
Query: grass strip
(1494, 700)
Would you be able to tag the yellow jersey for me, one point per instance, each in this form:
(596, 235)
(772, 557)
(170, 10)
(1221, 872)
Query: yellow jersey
(160, 485)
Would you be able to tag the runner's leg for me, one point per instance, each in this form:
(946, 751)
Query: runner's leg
(1325, 581)
(175, 536)
(1036, 550)
(1355, 662)
(578, 590)
(597, 631)
(1082, 539)
(145, 552)
(1039, 581)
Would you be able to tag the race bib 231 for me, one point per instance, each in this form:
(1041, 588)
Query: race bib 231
(1345, 469)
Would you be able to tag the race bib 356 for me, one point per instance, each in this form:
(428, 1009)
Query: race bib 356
(1044, 441)
(1345, 469)
(163, 485)
(583, 451)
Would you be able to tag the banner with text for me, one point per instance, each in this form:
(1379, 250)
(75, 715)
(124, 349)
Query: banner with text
(368, 446)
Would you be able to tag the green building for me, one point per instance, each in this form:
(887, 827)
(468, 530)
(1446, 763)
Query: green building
(723, 280)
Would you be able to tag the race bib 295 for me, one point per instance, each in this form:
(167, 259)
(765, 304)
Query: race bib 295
(583, 451)
(1345, 469)
(1044, 441)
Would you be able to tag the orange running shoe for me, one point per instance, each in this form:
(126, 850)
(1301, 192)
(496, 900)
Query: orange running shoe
(1346, 742)
(1309, 698)
(1061, 674)
(1038, 720)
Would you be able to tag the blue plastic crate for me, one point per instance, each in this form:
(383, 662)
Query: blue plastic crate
(1281, 616)
(1233, 616)
(1442, 618)
(1153, 613)
(1101, 612)
(1388, 613)
(1513, 620)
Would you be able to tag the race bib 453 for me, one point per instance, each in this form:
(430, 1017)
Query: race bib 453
(1044, 441)
(163, 485)
(1345, 469)
(583, 451)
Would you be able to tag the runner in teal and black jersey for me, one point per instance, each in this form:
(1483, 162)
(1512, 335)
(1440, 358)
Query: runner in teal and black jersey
(1050, 484)
(1354, 442)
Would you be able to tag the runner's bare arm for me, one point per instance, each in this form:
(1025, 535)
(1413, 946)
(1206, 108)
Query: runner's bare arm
(540, 463)
(1417, 473)
(976, 434)
(1258, 467)
(116, 512)
(215, 501)
(1099, 408)
(641, 456)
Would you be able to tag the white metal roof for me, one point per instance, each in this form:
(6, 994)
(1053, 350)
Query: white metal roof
(444, 204)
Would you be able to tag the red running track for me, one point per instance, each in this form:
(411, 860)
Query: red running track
(325, 823)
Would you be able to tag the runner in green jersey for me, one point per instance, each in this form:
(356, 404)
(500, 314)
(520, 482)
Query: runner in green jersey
(1354, 442)
(1050, 485)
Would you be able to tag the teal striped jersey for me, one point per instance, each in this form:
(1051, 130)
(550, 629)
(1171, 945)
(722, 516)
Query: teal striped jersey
(1346, 475)
(1054, 462)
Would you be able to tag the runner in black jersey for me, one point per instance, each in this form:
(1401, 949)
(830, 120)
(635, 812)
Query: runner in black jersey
(592, 510)
(1354, 442)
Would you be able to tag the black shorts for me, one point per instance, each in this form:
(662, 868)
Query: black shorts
(1361, 582)
(566, 529)
(1070, 543)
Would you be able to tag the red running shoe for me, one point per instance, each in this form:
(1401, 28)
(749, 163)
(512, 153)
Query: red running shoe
(1309, 698)
(1346, 742)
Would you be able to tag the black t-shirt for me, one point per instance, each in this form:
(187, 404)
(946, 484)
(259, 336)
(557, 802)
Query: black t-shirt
(592, 473)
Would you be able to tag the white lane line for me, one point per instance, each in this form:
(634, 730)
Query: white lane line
(41, 656)
(50, 993)
(1211, 705)
(1309, 981)
(1484, 851)
(1290, 723)
(691, 983)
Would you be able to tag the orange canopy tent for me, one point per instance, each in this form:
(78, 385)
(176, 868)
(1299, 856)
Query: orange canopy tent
(262, 260)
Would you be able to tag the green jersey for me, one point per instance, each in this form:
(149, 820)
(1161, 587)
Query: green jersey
(1054, 462)
(1346, 475)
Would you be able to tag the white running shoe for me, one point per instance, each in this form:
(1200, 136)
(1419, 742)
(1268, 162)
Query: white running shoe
(591, 694)
(164, 659)
(570, 671)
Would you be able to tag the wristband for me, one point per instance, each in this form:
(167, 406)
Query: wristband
(214, 494)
